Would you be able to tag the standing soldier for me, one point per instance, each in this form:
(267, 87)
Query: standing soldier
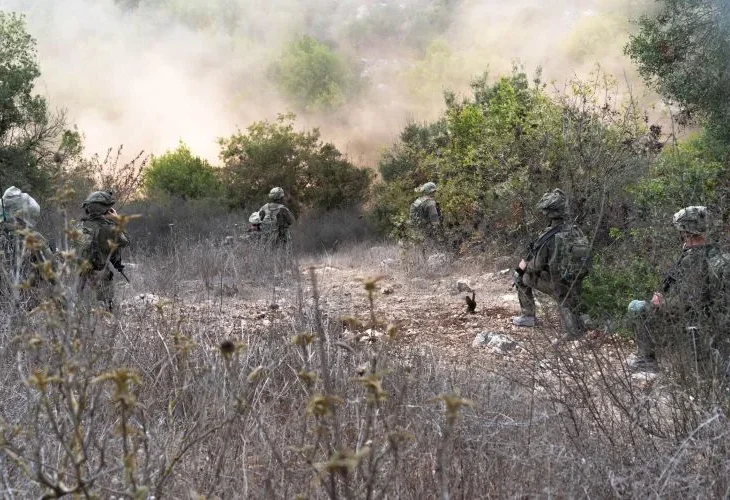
(690, 312)
(99, 245)
(276, 220)
(425, 215)
(26, 260)
(556, 263)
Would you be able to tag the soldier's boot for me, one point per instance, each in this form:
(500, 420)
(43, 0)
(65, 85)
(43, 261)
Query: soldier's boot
(524, 321)
(527, 306)
(641, 363)
(573, 327)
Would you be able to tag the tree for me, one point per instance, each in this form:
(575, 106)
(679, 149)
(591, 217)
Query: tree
(683, 51)
(312, 173)
(313, 74)
(33, 141)
(180, 173)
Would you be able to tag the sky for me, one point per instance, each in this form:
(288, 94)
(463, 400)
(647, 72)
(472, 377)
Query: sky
(150, 73)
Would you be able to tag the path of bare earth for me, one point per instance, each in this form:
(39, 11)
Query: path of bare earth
(421, 299)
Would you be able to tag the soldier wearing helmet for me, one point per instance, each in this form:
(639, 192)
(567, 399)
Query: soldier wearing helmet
(425, 214)
(276, 219)
(26, 259)
(98, 245)
(538, 270)
(688, 308)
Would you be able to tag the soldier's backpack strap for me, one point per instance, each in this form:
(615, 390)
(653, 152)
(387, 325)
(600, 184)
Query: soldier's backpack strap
(542, 240)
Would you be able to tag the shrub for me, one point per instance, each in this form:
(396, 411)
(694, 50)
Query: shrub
(180, 174)
(313, 75)
(314, 174)
(496, 152)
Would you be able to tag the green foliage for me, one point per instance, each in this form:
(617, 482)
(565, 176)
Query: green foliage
(19, 106)
(683, 51)
(314, 75)
(690, 173)
(413, 23)
(312, 173)
(34, 144)
(496, 152)
(181, 174)
(612, 284)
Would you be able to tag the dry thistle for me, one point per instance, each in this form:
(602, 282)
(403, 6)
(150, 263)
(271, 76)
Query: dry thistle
(309, 378)
(123, 379)
(320, 405)
(255, 374)
(343, 462)
(40, 380)
(373, 384)
(453, 404)
(303, 339)
(370, 284)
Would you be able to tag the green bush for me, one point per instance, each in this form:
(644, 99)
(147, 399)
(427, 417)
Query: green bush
(179, 173)
(314, 174)
(497, 151)
(610, 287)
(34, 143)
(314, 75)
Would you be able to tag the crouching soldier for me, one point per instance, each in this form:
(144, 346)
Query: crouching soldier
(555, 264)
(99, 247)
(689, 314)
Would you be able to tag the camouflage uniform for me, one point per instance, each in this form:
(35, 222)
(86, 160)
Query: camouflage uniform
(690, 312)
(276, 220)
(26, 259)
(540, 275)
(105, 240)
(425, 214)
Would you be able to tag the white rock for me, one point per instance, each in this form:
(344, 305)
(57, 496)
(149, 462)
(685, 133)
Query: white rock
(496, 341)
(438, 260)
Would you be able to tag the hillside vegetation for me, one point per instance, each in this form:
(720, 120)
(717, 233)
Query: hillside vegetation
(227, 372)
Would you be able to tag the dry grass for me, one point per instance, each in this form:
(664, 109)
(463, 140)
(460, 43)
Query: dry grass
(189, 396)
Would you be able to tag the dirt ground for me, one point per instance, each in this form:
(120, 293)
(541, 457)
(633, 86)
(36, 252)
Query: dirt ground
(424, 300)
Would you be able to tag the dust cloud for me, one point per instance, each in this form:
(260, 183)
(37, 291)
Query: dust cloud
(149, 73)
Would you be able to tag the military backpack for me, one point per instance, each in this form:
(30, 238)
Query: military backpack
(571, 259)
(87, 246)
(416, 211)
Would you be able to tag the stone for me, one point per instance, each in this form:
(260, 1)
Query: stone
(463, 286)
(497, 342)
(438, 260)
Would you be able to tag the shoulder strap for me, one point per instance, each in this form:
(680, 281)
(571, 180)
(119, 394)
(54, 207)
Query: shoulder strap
(537, 245)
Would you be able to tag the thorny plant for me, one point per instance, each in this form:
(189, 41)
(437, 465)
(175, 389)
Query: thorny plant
(180, 397)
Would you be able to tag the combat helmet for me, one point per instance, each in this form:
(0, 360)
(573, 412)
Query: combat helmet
(276, 194)
(428, 188)
(692, 220)
(99, 202)
(553, 204)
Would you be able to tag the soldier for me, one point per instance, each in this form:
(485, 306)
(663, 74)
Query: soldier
(425, 214)
(276, 219)
(549, 269)
(691, 309)
(26, 260)
(99, 245)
